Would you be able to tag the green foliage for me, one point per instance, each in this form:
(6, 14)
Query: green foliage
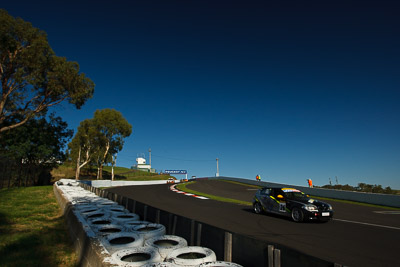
(32, 77)
(33, 230)
(32, 150)
(98, 139)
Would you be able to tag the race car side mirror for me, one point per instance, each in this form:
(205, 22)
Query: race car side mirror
(279, 196)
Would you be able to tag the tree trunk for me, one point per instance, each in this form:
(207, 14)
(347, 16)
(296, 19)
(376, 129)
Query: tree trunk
(114, 161)
(103, 160)
(101, 172)
(78, 168)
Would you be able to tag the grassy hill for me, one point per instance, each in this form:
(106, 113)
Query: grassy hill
(120, 174)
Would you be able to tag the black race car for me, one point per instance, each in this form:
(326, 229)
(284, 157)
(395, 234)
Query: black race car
(292, 203)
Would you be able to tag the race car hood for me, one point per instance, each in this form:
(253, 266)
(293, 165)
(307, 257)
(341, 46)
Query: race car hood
(319, 204)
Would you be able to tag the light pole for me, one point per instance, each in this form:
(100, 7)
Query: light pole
(217, 174)
(150, 157)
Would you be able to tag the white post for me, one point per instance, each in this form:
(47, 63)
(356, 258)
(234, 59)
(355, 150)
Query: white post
(150, 157)
(217, 174)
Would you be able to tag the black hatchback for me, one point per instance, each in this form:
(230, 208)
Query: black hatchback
(292, 203)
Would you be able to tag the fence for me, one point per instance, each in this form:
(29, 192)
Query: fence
(15, 172)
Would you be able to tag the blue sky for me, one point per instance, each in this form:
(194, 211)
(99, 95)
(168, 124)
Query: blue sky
(288, 90)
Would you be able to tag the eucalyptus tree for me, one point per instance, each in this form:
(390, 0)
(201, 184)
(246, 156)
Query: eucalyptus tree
(113, 127)
(84, 145)
(32, 77)
(99, 139)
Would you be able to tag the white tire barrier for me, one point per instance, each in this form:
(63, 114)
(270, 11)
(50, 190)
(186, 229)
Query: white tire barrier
(115, 209)
(132, 223)
(100, 221)
(149, 230)
(104, 202)
(191, 256)
(109, 221)
(107, 229)
(160, 264)
(124, 217)
(165, 244)
(220, 264)
(81, 201)
(122, 240)
(136, 256)
(88, 208)
(94, 214)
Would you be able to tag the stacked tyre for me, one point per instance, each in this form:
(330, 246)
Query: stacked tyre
(130, 241)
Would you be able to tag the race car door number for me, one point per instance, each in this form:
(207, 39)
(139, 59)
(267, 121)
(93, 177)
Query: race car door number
(282, 207)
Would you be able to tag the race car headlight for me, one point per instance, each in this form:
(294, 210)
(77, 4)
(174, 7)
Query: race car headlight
(311, 207)
(329, 207)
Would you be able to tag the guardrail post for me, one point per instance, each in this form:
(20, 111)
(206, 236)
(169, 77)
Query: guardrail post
(277, 258)
(270, 256)
(274, 257)
(145, 213)
(191, 232)
(169, 230)
(228, 247)
(158, 216)
(174, 224)
(198, 241)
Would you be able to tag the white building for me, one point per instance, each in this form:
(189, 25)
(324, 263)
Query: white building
(141, 164)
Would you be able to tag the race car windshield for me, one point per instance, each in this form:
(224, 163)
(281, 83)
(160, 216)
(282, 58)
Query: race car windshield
(296, 195)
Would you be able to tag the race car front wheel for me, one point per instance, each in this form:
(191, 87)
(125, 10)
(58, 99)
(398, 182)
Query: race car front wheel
(297, 215)
(257, 208)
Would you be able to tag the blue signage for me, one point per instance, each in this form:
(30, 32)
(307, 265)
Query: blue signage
(176, 171)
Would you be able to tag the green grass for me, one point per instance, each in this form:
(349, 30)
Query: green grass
(240, 183)
(32, 229)
(120, 174)
(183, 187)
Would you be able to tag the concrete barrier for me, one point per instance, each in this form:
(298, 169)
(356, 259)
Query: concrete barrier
(370, 198)
(109, 183)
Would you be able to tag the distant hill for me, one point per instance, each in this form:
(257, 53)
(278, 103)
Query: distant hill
(362, 187)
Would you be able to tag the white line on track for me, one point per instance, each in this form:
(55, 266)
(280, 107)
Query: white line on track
(369, 224)
(390, 212)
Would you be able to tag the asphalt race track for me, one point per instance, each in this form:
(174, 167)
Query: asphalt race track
(358, 235)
